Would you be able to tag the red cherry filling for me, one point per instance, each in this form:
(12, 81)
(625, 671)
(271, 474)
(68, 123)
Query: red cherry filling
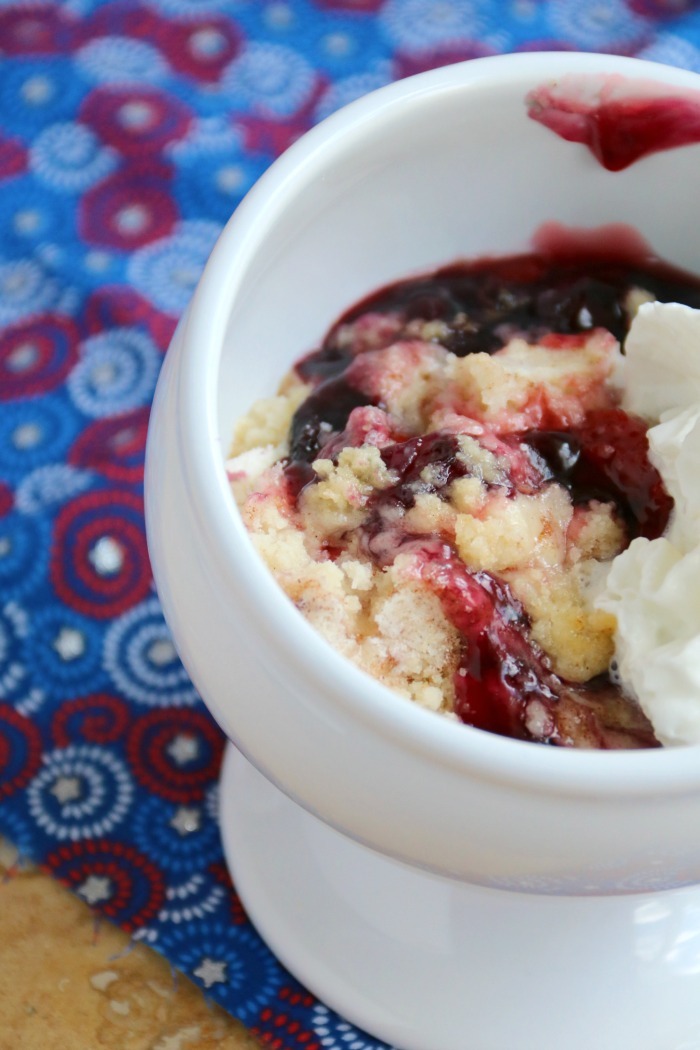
(618, 131)
(501, 672)
(607, 460)
(324, 412)
(504, 682)
(615, 458)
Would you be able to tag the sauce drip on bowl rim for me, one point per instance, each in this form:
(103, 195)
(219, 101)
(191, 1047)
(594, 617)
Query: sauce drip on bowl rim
(619, 120)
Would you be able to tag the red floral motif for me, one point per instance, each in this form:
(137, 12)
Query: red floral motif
(80, 525)
(124, 18)
(155, 768)
(351, 5)
(20, 751)
(13, 157)
(37, 356)
(279, 1029)
(114, 447)
(408, 65)
(296, 996)
(115, 306)
(220, 874)
(267, 136)
(201, 48)
(135, 886)
(97, 719)
(36, 29)
(130, 208)
(546, 44)
(135, 121)
(7, 499)
(275, 1029)
(663, 8)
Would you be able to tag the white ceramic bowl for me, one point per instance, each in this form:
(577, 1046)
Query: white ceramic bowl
(442, 166)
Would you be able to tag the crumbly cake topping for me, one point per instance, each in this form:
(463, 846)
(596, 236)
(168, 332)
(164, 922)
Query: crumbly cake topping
(384, 617)
(441, 516)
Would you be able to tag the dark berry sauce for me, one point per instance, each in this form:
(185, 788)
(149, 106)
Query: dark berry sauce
(324, 412)
(500, 671)
(607, 460)
(504, 682)
(485, 303)
(427, 464)
(410, 460)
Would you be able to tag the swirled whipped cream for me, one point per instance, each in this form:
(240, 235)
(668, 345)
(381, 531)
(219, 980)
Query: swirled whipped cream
(653, 587)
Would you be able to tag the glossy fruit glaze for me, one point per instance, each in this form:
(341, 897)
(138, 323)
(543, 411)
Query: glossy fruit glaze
(623, 122)
(504, 682)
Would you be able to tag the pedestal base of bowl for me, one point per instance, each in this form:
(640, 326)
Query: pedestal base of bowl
(427, 963)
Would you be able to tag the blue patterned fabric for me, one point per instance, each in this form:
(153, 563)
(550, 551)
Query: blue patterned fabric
(129, 131)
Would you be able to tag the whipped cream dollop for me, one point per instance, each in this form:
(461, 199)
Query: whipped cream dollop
(653, 587)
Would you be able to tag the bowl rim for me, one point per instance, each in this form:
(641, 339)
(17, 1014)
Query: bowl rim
(663, 771)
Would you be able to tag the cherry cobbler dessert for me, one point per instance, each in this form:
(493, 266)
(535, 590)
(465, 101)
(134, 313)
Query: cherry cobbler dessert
(440, 486)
